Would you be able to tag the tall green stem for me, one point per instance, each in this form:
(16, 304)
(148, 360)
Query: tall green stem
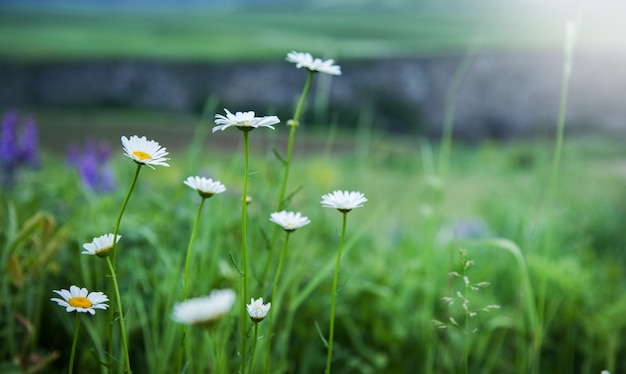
(554, 179)
(292, 133)
(186, 280)
(450, 112)
(244, 253)
(253, 349)
(331, 333)
(275, 302)
(73, 354)
(121, 213)
(121, 314)
(113, 256)
(294, 123)
(190, 246)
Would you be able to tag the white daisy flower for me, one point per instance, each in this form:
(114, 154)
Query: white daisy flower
(81, 300)
(205, 187)
(289, 221)
(257, 310)
(204, 310)
(343, 201)
(244, 121)
(100, 246)
(143, 151)
(304, 59)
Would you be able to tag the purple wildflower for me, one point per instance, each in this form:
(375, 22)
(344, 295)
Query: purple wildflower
(19, 147)
(29, 144)
(8, 144)
(93, 166)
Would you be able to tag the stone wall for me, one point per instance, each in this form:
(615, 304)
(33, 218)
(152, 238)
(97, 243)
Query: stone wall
(501, 96)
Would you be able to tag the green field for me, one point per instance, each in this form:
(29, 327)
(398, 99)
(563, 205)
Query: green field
(554, 265)
(261, 34)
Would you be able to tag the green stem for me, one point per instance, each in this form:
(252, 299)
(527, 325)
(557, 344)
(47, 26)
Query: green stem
(560, 129)
(244, 253)
(275, 302)
(121, 213)
(190, 246)
(467, 322)
(73, 354)
(256, 334)
(283, 186)
(292, 134)
(331, 333)
(113, 254)
(554, 179)
(121, 314)
(450, 112)
(181, 352)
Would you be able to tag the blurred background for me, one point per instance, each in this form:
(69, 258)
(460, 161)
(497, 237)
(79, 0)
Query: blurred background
(77, 75)
(123, 62)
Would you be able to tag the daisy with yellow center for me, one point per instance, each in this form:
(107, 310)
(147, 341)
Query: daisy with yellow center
(81, 300)
(144, 151)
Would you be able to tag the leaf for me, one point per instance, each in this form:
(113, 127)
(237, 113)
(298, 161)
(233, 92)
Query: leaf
(278, 156)
(15, 271)
(321, 335)
(27, 230)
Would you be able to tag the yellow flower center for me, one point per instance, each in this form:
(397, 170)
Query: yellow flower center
(142, 155)
(80, 302)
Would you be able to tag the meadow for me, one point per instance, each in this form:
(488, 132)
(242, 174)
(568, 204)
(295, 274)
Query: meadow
(554, 267)
(479, 258)
(263, 33)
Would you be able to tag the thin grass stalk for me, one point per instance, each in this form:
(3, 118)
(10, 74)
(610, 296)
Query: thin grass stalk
(219, 350)
(450, 111)
(331, 333)
(275, 302)
(186, 279)
(253, 349)
(244, 252)
(94, 333)
(9, 347)
(294, 123)
(532, 317)
(73, 352)
(554, 178)
(121, 213)
(444, 154)
(434, 352)
(121, 313)
(116, 230)
(305, 293)
(190, 246)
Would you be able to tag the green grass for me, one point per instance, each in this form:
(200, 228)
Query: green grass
(396, 257)
(261, 34)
